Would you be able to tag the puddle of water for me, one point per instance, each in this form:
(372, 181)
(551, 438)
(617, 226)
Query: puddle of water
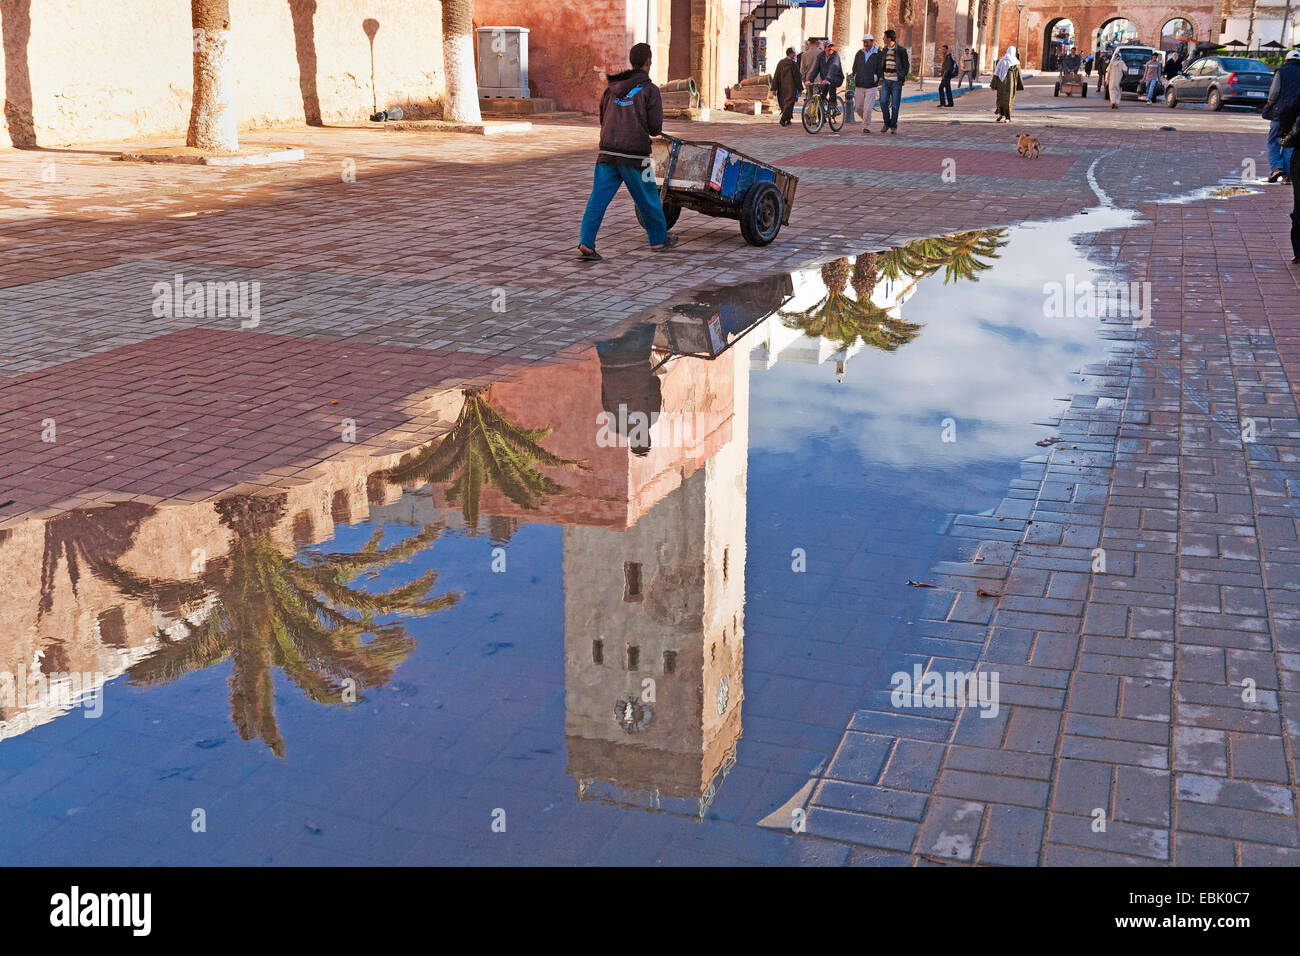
(655, 577)
(1227, 188)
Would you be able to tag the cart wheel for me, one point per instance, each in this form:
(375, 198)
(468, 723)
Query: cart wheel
(1058, 90)
(672, 212)
(761, 213)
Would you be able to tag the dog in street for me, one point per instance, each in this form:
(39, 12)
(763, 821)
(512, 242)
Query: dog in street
(1028, 146)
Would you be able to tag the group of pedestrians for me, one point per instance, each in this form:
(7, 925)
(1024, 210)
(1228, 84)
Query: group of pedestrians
(877, 71)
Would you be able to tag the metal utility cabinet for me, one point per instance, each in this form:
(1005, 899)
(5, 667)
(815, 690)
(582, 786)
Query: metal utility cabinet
(503, 62)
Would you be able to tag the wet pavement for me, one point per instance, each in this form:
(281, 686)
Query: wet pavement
(480, 556)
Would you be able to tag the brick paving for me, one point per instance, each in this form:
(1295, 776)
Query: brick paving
(1122, 690)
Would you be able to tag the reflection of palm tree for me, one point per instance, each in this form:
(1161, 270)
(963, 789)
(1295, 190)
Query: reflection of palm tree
(866, 271)
(89, 537)
(845, 320)
(962, 255)
(485, 448)
(966, 254)
(300, 613)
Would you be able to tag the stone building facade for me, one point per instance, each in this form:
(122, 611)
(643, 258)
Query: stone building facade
(79, 71)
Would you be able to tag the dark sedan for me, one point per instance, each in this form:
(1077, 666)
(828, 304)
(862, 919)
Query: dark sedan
(1219, 81)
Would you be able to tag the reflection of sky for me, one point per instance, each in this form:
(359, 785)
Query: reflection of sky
(988, 357)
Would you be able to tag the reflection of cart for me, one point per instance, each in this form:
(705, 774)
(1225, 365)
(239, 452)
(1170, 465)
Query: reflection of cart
(1071, 82)
(717, 181)
(714, 321)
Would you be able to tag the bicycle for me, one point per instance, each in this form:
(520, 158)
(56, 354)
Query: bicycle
(818, 111)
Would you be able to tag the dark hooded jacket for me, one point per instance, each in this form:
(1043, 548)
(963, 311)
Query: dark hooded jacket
(827, 68)
(631, 111)
(1289, 119)
(1285, 88)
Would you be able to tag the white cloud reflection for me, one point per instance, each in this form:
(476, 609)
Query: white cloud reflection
(988, 357)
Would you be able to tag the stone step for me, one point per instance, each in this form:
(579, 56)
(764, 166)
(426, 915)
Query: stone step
(514, 106)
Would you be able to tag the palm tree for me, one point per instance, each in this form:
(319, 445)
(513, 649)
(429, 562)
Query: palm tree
(458, 61)
(485, 448)
(262, 609)
(213, 123)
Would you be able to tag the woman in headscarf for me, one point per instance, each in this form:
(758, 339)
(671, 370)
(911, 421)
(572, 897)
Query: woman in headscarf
(1114, 77)
(1006, 81)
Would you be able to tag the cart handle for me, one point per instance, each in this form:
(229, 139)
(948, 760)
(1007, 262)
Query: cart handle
(672, 167)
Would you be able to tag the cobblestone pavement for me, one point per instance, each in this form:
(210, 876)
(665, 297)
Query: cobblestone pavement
(1123, 688)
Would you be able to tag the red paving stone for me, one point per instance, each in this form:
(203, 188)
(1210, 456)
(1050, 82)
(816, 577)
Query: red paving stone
(203, 410)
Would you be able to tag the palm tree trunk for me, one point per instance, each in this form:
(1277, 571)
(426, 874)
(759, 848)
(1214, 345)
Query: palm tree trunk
(213, 123)
(995, 38)
(840, 29)
(458, 61)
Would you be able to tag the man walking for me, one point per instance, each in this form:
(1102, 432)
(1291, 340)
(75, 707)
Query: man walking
(974, 68)
(786, 84)
(966, 72)
(631, 111)
(866, 79)
(1151, 74)
(893, 71)
(1285, 89)
(811, 50)
(947, 70)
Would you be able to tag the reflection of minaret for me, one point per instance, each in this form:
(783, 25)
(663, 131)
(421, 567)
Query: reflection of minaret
(661, 605)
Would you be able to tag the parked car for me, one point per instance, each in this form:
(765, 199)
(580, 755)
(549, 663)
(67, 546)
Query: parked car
(1219, 81)
(1135, 60)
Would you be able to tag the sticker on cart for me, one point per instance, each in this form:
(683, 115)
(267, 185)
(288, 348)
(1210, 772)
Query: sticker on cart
(717, 338)
(720, 158)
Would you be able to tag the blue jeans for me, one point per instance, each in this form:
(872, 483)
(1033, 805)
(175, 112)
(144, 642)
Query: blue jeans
(1151, 91)
(645, 194)
(891, 94)
(1278, 158)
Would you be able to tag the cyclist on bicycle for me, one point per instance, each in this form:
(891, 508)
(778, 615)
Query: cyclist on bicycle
(827, 74)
